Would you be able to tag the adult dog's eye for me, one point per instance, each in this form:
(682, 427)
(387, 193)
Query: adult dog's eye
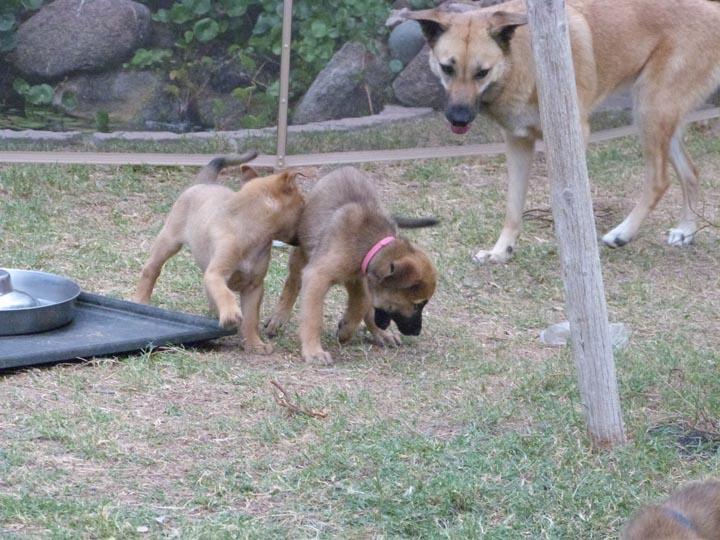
(447, 69)
(481, 73)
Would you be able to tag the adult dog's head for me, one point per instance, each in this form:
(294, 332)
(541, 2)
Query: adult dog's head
(401, 279)
(470, 54)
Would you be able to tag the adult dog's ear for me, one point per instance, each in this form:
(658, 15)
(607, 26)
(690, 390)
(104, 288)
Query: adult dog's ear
(431, 21)
(503, 26)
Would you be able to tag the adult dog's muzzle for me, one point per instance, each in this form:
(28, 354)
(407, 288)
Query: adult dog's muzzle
(460, 117)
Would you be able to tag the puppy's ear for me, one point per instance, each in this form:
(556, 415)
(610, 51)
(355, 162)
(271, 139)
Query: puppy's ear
(431, 21)
(401, 273)
(503, 26)
(287, 178)
(247, 173)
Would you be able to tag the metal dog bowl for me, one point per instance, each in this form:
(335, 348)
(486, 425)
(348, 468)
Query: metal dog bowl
(33, 302)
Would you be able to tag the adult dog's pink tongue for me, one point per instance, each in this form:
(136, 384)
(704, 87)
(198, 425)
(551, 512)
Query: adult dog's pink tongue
(459, 130)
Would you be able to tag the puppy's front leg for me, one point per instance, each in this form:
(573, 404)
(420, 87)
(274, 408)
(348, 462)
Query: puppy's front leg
(520, 152)
(384, 338)
(357, 306)
(222, 297)
(315, 285)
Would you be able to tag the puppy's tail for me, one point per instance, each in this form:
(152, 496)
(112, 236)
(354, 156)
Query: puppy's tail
(209, 173)
(415, 223)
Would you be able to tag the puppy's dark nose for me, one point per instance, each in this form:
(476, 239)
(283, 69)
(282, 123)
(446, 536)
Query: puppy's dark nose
(459, 115)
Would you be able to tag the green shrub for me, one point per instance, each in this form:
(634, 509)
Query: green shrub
(209, 33)
(11, 12)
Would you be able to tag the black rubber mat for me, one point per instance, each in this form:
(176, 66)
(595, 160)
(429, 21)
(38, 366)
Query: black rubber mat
(104, 326)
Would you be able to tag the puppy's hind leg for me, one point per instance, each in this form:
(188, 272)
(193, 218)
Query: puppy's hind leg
(251, 298)
(165, 247)
(281, 314)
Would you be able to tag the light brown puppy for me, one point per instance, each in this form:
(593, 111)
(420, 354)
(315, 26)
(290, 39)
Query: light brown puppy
(346, 238)
(230, 236)
(484, 60)
(690, 513)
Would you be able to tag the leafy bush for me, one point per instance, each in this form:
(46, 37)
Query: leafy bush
(11, 12)
(210, 33)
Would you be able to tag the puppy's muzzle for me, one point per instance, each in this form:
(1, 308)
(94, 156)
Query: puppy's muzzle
(408, 326)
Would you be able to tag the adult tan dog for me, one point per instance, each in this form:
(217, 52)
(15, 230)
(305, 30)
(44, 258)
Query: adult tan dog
(230, 236)
(691, 513)
(346, 238)
(663, 49)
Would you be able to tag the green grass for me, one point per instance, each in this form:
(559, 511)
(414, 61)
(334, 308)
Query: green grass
(473, 430)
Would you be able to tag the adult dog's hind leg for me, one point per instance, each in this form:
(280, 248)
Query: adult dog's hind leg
(684, 233)
(520, 152)
(658, 119)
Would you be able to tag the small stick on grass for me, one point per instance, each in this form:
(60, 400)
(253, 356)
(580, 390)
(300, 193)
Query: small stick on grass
(281, 398)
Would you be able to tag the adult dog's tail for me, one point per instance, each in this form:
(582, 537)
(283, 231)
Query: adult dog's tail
(415, 223)
(209, 173)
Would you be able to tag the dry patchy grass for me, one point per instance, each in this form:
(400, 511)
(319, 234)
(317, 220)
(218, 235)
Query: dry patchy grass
(472, 430)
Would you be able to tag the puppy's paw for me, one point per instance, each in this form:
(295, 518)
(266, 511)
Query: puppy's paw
(345, 331)
(319, 358)
(274, 323)
(140, 299)
(483, 257)
(232, 318)
(681, 236)
(258, 348)
(386, 338)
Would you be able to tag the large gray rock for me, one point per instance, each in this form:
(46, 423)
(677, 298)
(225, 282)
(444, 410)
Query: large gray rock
(68, 36)
(132, 98)
(405, 41)
(417, 86)
(220, 111)
(352, 80)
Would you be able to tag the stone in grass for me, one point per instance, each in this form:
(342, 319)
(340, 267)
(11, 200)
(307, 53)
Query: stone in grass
(559, 334)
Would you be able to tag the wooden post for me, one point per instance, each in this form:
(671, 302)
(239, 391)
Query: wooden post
(574, 222)
(281, 152)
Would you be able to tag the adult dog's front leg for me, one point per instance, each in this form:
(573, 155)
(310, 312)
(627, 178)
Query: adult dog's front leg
(519, 154)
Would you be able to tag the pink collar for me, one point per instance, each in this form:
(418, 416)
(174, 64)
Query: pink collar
(373, 250)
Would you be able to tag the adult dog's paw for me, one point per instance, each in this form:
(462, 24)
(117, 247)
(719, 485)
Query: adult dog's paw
(483, 257)
(681, 237)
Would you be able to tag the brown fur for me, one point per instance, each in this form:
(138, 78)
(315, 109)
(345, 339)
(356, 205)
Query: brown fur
(230, 236)
(690, 513)
(342, 221)
(662, 49)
